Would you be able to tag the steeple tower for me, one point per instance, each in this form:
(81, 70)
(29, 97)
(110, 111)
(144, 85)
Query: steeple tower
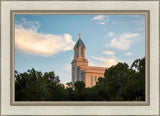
(79, 49)
(79, 60)
(80, 69)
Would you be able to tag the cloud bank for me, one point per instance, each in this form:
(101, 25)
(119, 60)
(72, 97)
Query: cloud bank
(30, 41)
(123, 41)
(107, 62)
(108, 52)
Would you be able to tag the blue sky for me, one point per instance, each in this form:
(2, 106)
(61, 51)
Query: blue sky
(45, 42)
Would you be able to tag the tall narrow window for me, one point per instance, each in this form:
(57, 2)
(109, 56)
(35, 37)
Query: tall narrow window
(73, 78)
(77, 51)
(91, 81)
(95, 78)
(73, 68)
(81, 51)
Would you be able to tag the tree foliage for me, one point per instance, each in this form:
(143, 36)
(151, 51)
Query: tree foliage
(120, 83)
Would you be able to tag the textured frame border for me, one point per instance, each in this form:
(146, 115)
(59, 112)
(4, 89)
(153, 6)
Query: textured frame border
(65, 0)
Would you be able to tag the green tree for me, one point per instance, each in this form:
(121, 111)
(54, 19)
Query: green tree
(34, 86)
(115, 81)
(120, 83)
(135, 89)
(78, 93)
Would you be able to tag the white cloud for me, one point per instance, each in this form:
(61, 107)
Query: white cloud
(102, 23)
(107, 62)
(30, 25)
(30, 41)
(102, 19)
(114, 22)
(128, 54)
(99, 17)
(123, 41)
(108, 52)
(110, 34)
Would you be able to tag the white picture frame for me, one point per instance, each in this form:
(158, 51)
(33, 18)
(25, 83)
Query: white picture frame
(153, 108)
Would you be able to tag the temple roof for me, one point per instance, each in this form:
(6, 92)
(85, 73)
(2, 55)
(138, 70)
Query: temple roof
(79, 43)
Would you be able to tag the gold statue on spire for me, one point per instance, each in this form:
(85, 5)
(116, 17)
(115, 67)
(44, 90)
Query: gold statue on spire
(79, 35)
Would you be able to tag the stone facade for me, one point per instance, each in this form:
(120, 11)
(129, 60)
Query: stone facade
(80, 69)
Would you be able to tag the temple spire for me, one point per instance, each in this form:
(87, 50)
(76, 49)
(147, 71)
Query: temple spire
(79, 35)
(79, 42)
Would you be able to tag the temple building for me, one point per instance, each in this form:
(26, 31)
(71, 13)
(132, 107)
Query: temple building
(80, 69)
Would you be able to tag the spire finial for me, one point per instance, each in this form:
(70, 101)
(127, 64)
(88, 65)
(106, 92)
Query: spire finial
(79, 35)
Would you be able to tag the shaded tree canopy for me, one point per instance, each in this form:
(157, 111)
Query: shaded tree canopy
(120, 83)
